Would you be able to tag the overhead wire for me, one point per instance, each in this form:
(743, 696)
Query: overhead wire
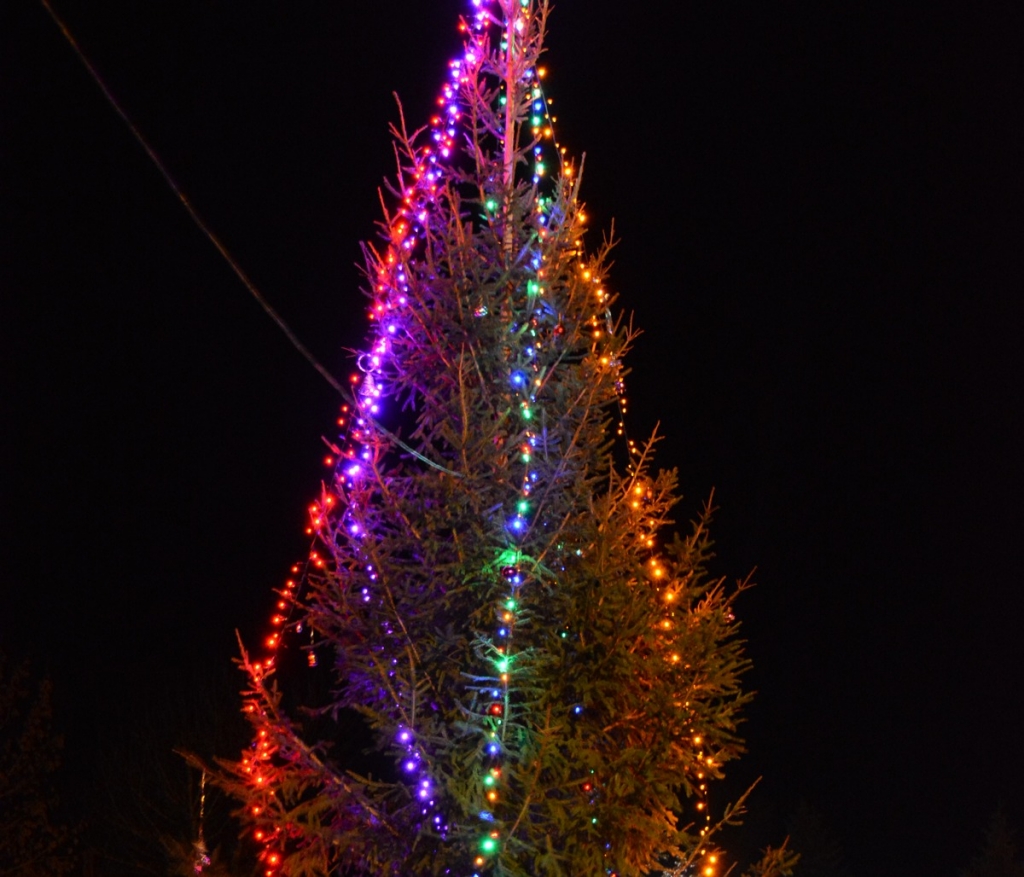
(247, 281)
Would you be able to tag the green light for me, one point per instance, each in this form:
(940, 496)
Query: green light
(503, 666)
(503, 100)
(510, 605)
(489, 845)
(491, 205)
(536, 121)
(488, 780)
(509, 557)
(533, 287)
(524, 507)
(526, 458)
(593, 821)
(527, 414)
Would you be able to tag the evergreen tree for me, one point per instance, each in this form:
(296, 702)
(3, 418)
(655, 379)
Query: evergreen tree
(34, 841)
(552, 684)
(998, 856)
(821, 853)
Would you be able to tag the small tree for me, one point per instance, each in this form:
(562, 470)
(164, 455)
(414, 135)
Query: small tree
(998, 856)
(155, 813)
(34, 841)
(554, 686)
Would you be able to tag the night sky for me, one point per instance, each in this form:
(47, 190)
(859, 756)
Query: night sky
(822, 238)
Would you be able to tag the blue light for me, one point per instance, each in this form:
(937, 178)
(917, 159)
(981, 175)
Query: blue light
(518, 379)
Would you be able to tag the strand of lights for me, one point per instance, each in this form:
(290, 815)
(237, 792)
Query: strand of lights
(201, 857)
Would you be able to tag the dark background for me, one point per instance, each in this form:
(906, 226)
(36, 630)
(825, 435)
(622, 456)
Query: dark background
(821, 237)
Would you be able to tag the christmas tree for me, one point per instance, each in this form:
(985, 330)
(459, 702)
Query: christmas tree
(553, 684)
